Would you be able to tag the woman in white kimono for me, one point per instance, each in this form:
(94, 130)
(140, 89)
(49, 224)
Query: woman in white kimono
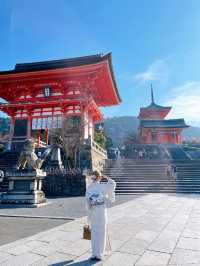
(97, 196)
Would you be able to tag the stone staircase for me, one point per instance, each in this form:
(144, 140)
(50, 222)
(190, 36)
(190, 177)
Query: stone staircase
(8, 160)
(149, 176)
(177, 152)
(188, 175)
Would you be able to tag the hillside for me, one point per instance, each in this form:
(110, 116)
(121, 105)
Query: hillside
(192, 132)
(119, 128)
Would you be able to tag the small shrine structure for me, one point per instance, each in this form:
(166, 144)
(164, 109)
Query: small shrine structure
(155, 129)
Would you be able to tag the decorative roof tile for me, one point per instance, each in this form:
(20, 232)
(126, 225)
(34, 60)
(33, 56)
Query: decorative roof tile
(168, 123)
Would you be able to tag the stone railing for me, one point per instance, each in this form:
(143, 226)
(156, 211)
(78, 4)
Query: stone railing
(98, 148)
(98, 156)
(93, 156)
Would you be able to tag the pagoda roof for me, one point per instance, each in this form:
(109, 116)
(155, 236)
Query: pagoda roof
(155, 106)
(72, 68)
(168, 123)
(153, 109)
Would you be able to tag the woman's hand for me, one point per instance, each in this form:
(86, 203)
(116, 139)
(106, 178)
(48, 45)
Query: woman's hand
(105, 178)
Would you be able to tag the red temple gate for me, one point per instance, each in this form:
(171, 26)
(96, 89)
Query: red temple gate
(39, 96)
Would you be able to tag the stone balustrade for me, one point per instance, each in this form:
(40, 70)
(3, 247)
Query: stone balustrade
(98, 156)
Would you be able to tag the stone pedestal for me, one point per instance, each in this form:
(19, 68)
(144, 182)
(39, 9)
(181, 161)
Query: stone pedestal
(25, 187)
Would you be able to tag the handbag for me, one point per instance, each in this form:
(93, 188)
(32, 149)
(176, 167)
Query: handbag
(86, 232)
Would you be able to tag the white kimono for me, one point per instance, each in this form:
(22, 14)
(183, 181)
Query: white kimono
(97, 197)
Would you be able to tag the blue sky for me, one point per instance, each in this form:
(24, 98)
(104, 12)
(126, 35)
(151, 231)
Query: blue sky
(151, 41)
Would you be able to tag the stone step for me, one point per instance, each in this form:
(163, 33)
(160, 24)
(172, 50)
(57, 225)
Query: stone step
(133, 178)
(127, 175)
(135, 165)
(150, 176)
(188, 170)
(139, 165)
(123, 173)
(153, 177)
(154, 163)
(137, 170)
(157, 187)
(189, 175)
(157, 181)
(134, 173)
(143, 178)
(154, 166)
(142, 192)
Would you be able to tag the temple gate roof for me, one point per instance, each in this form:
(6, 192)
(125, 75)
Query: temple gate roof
(92, 74)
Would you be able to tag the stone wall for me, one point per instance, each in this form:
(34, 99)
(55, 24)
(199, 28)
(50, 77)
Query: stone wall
(64, 185)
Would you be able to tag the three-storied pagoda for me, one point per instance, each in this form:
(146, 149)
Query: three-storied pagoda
(154, 128)
(40, 95)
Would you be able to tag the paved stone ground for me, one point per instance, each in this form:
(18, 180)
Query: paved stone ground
(14, 228)
(153, 230)
(60, 207)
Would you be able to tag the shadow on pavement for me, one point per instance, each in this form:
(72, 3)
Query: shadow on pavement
(87, 262)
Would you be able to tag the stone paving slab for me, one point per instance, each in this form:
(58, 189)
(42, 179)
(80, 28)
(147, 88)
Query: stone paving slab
(12, 229)
(181, 256)
(153, 258)
(152, 230)
(71, 207)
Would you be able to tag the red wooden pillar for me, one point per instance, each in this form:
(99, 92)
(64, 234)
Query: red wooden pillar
(47, 135)
(11, 133)
(29, 127)
(38, 137)
(179, 137)
(158, 136)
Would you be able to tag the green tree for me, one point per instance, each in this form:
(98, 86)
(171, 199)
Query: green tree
(100, 138)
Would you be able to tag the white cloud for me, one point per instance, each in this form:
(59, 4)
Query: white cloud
(157, 71)
(185, 102)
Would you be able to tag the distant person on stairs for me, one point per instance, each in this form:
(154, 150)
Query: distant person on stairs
(140, 153)
(1, 175)
(97, 196)
(174, 172)
(117, 153)
(169, 171)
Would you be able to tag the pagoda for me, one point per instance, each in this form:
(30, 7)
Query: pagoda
(155, 129)
(39, 96)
